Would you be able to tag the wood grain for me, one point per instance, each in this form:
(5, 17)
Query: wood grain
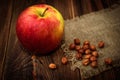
(16, 63)
(4, 31)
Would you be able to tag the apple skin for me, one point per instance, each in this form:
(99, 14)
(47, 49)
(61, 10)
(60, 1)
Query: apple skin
(40, 33)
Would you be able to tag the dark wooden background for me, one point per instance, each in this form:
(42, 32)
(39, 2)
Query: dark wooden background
(15, 62)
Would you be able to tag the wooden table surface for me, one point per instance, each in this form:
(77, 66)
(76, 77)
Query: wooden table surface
(15, 62)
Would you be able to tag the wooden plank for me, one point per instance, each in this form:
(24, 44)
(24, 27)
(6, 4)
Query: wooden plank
(14, 67)
(109, 74)
(117, 73)
(89, 6)
(99, 4)
(5, 12)
(77, 7)
(64, 7)
(86, 6)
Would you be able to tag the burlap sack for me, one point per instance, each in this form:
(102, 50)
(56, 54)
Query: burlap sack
(102, 25)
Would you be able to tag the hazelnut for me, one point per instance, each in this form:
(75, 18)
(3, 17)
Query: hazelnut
(64, 60)
(52, 66)
(87, 51)
(77, 41)
(95, 53)
(85, 47)
(33, 57)
(86, 43)
(85, 62)
(77, 47)
(101, 44)
(92, 47)
(108, 61)
(78, 56)
(93, 58)
(81, 51)
(72, 46)
(94, 64)
(87, 56)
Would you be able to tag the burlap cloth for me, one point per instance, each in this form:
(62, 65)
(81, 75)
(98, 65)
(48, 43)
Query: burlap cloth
(102, 25)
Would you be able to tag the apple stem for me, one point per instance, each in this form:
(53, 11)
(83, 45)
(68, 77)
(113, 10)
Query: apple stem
(44, 12)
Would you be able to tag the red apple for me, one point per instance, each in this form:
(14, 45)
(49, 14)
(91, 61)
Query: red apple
(40, 28)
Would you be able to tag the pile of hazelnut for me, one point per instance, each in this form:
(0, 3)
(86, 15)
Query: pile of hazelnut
(87, 53)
